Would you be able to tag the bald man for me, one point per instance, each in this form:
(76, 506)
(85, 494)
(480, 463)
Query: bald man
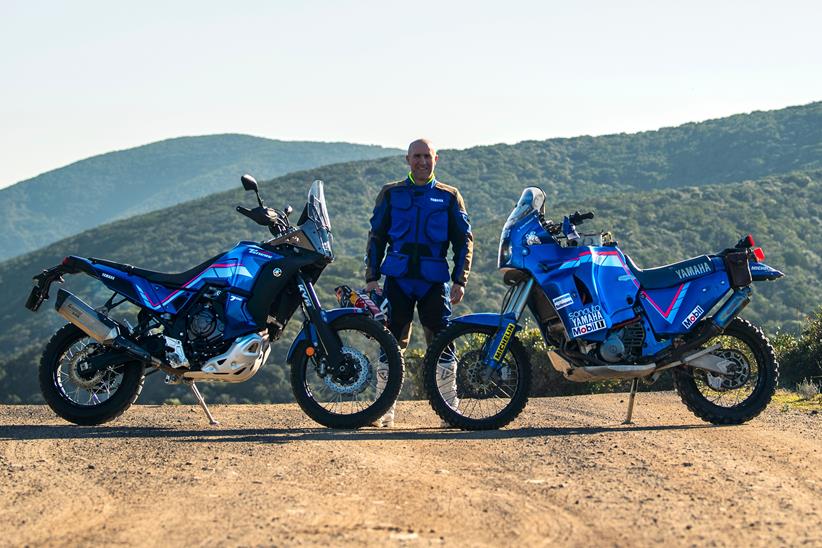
(416, 219)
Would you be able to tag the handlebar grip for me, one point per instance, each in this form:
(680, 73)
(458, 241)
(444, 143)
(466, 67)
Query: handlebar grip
(248, 213)
(577, 217)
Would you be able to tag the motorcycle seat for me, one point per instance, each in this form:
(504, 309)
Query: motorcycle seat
(671, 274)
(162, 278)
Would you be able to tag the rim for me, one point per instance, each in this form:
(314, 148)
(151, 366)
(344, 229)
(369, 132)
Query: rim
(359, 381)
(737, 387)
(81, 389)
(473, 392)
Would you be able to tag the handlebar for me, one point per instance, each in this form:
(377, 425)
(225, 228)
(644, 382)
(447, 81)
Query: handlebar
(575, 218)
(275, 220)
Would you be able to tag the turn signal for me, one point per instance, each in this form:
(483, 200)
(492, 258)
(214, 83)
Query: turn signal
(309, 351)
(759, 254)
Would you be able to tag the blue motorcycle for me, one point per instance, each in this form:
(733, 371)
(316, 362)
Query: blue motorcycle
(606, 318)
(215, 322)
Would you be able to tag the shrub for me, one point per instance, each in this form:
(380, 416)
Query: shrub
(800, 357)
(412, 384)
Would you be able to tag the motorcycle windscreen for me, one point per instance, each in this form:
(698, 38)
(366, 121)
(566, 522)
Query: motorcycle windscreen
(316, 211)
(531, 200)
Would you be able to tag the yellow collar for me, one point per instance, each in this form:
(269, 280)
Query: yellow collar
(411, 178)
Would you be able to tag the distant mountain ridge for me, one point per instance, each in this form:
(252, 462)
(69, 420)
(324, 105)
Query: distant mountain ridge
(118, 184)
(632, 182)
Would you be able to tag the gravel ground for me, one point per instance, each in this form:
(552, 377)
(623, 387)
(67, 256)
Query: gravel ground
(566, 473)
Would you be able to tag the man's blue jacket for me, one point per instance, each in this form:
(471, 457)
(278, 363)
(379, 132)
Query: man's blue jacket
(417, 222)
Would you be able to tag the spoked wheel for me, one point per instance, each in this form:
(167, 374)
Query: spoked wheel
(461, 388)
(749, 385)
(80, 397)
(363, 385)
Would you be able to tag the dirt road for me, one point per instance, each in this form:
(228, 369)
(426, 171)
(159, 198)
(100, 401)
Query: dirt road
(566, 472)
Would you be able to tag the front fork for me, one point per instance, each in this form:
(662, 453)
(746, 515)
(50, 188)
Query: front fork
(320, 334)
(509, 325)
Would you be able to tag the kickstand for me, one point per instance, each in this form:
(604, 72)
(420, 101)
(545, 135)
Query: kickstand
(634, 386)
(202, 402)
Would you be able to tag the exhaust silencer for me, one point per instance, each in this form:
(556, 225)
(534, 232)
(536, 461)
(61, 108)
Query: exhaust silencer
(99, 327)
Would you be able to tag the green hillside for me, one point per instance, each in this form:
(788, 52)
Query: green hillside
(120, 184)
(657, 219)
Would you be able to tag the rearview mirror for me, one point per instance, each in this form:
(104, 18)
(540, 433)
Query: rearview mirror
(249, 182)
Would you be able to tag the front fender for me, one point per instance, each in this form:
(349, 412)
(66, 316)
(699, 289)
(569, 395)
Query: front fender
(506, 326)
(307, 335)
(484, 318)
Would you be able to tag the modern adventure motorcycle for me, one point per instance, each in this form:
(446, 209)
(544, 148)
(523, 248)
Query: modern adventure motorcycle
(215, 322)
(607, 319)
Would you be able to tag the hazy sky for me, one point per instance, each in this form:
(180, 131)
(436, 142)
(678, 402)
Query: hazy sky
(81, 78)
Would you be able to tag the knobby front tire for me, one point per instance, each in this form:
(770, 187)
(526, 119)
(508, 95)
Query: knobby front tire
(323, 398)
(472, 392)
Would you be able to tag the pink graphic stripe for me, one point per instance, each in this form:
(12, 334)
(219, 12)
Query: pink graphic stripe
(185, 285)
(667, 312)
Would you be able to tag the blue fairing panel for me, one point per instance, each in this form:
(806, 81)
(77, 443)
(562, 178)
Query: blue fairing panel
(761, 272)
(675, 310)
(485, 318)
(303, 337)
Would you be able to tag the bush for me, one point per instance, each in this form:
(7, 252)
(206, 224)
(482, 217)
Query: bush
(800, 358)
(412, 384)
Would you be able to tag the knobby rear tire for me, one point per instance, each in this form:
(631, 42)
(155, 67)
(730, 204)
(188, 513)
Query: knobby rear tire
(126, 393)
(753, 405)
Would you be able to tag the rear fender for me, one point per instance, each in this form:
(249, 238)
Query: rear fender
(308, 335)
(761, 272)
(43, 281)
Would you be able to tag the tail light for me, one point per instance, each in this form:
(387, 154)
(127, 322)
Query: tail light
(746, 243)
(758, 253)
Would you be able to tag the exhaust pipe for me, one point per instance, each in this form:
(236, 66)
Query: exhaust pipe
(598, 372)
(607, 372)
(732, 307)
(99, 327)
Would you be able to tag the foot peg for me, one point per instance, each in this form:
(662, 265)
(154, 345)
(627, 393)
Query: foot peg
(634, 386)
(201, 401)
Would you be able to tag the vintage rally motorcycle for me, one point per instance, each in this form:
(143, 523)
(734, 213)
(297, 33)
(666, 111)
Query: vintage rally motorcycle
(607, 319)
(215, 322)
